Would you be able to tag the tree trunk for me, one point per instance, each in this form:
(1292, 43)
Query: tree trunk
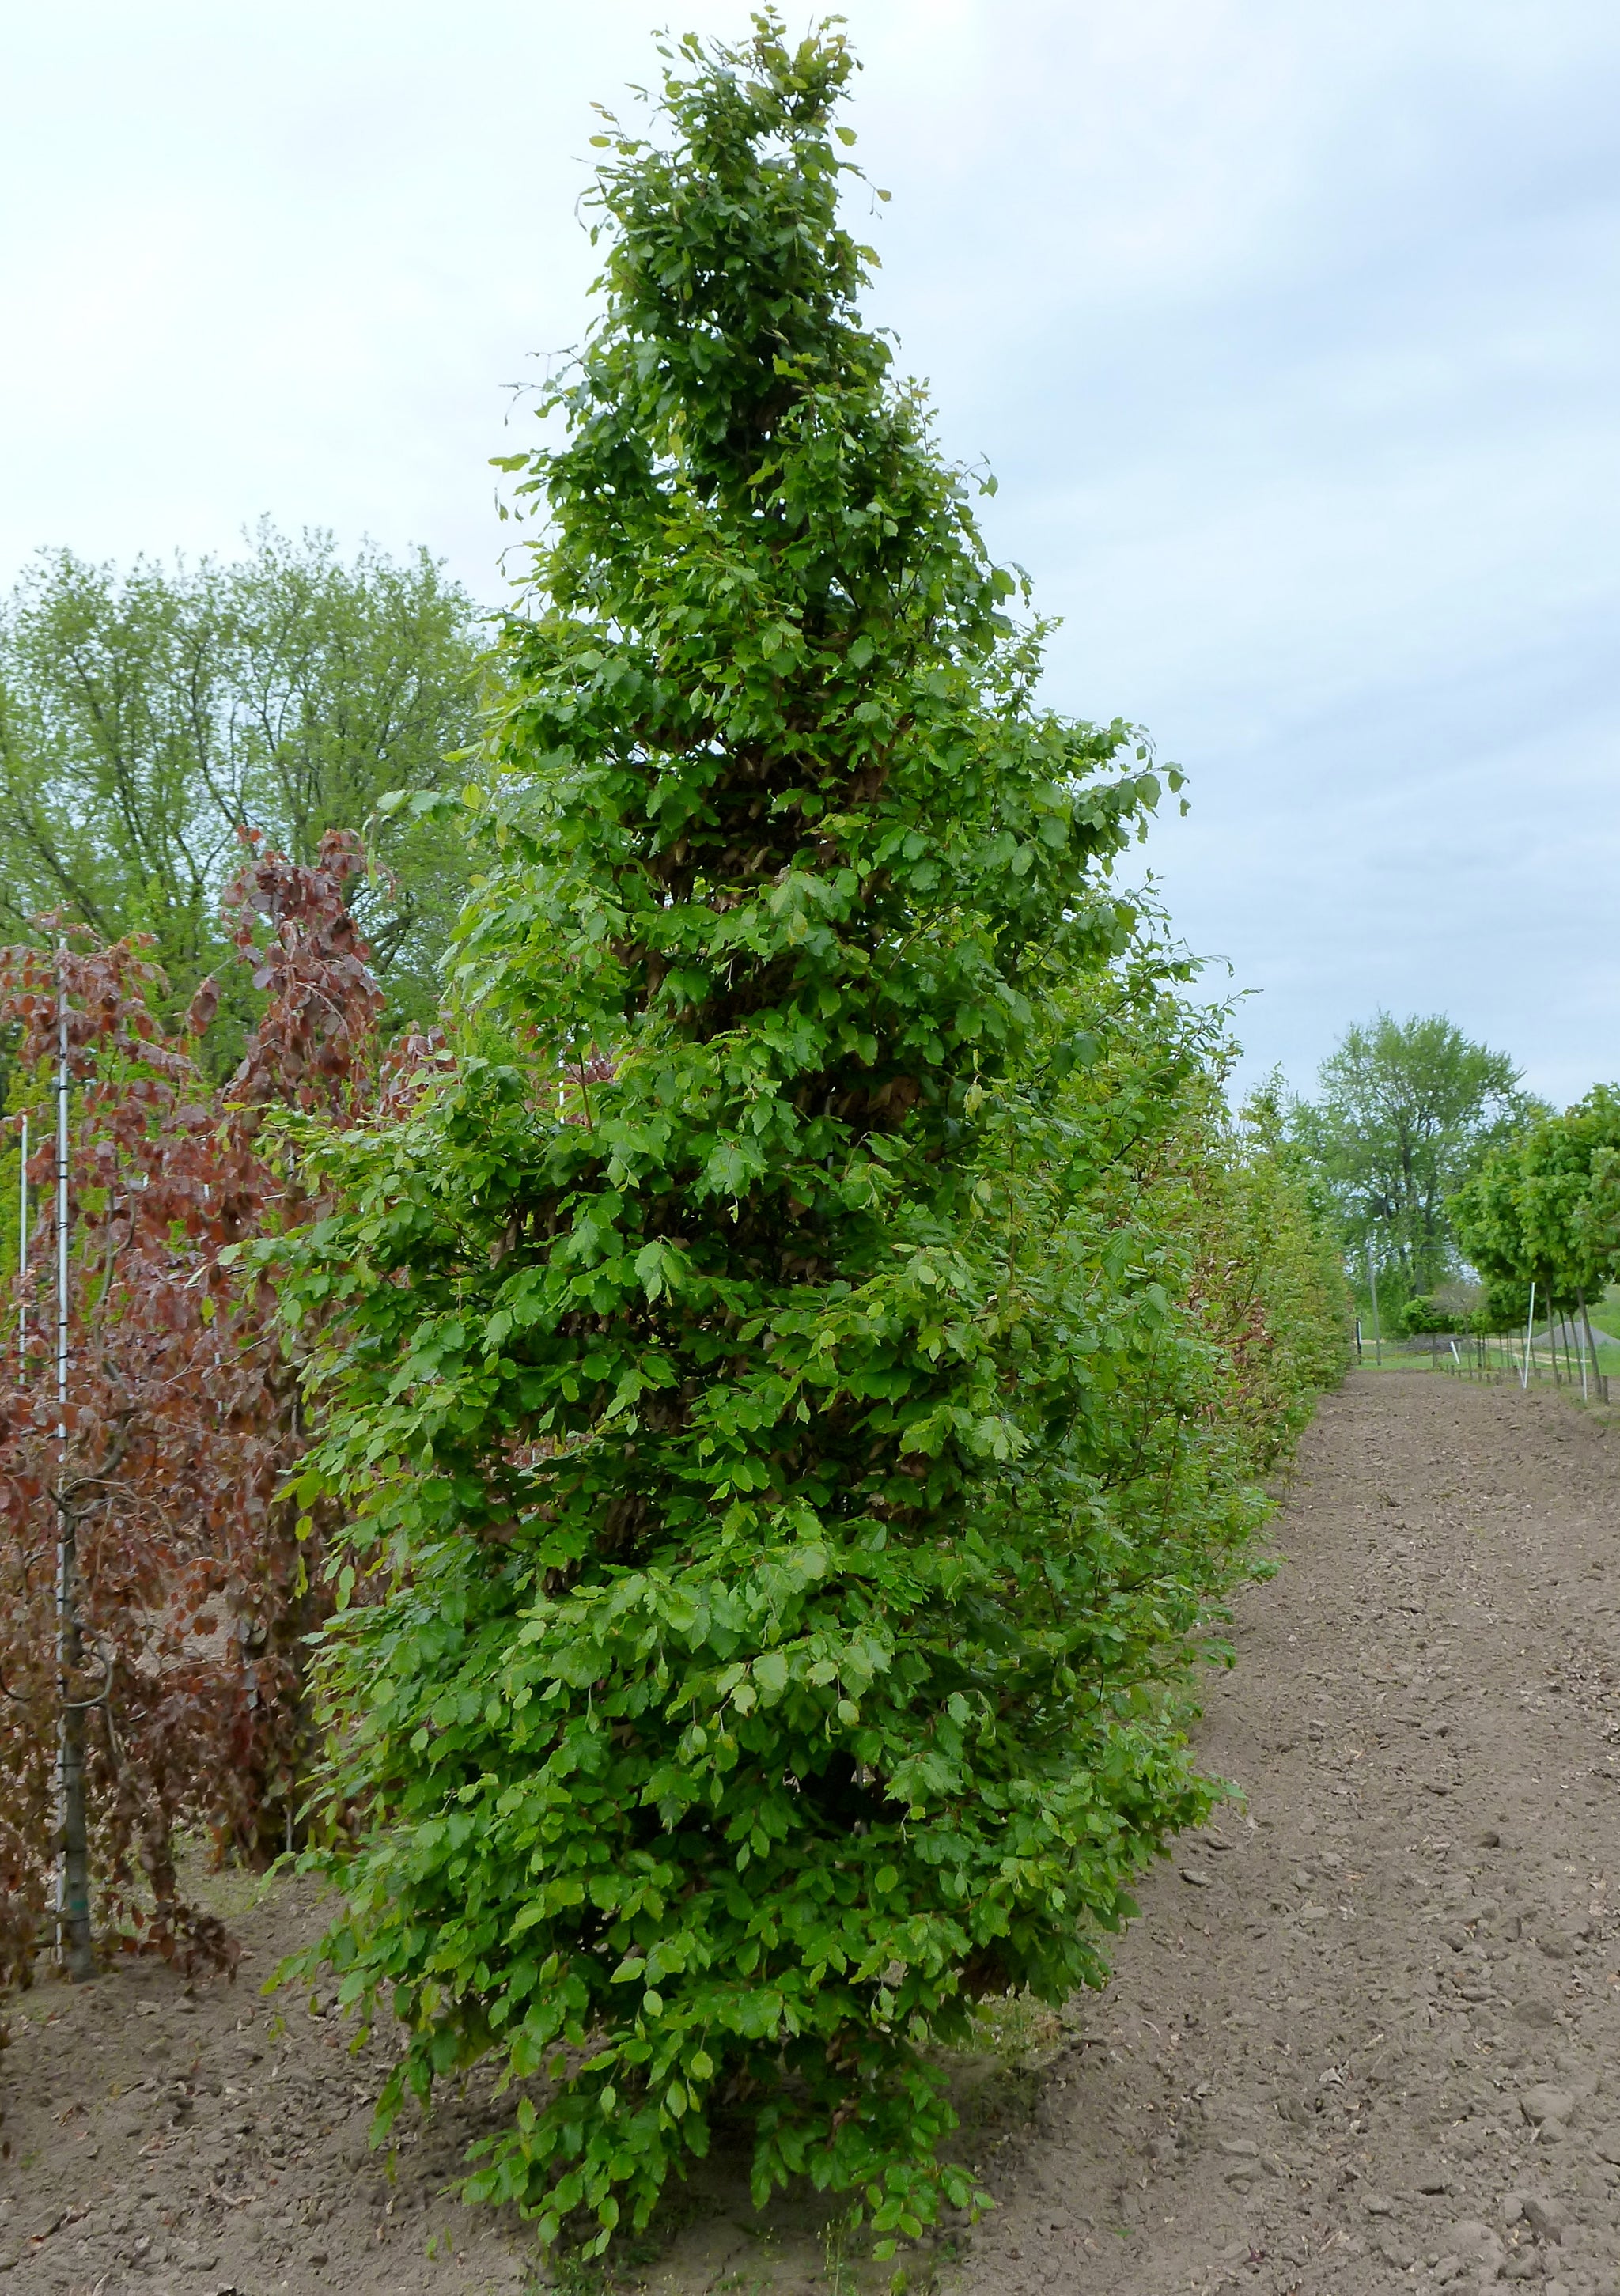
(1591, 1348)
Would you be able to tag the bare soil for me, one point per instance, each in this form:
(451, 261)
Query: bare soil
(1366, 2034)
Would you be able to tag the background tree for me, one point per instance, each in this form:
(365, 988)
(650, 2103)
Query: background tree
(1405, 1110)
(792, 1477)
(146, 719)
(1421, 1316)
(1547, 1207)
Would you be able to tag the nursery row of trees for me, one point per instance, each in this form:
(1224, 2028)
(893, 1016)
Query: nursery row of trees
(1146, 1310)
(1544, 1210)
(695, 1492)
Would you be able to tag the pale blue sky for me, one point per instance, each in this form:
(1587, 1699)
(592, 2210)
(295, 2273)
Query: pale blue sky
(1291, 333)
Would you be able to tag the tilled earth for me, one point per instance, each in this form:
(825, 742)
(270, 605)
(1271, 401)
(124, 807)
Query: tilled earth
(166, 2136)
(1367, 2034)
(1364, 2037)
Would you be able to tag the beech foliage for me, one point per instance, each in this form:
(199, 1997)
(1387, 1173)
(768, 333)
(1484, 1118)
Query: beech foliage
(791, 1380)
(194, 1582)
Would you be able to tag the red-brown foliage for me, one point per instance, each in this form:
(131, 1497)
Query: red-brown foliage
(195, 1590)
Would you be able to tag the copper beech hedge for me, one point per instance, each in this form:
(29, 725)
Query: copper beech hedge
(192, 1588)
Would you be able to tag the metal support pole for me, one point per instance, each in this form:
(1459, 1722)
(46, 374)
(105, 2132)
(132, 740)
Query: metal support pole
(1372, 1280)
(62, 1090)
(73, 1945)
(1524, 1377)
(22, 1256)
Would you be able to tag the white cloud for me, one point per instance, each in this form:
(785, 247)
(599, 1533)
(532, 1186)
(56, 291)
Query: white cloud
(1290, 332)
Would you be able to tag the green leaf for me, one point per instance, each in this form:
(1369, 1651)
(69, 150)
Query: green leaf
(795, 1371)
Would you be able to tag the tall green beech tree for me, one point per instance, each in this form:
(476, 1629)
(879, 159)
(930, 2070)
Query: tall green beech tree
(767, 1586)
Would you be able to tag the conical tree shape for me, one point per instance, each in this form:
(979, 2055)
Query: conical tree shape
(762, 1679)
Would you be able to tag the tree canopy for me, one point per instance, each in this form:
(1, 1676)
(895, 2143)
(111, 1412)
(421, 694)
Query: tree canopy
(147, 719)
(1546, 1207)
(1405, 1109)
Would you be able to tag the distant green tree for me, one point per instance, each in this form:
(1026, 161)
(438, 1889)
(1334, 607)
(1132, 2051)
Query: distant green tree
(147, 717)
(1504, 1303)
(1546, 1207)
(1405, 1111)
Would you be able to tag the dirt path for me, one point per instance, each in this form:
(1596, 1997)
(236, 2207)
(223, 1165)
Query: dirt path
(1365, 2037)
(1367, 2034)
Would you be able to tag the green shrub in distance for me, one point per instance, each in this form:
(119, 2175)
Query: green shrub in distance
(1504, 1306)
(787, 1469)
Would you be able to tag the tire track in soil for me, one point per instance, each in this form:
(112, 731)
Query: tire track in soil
(1367, 2034)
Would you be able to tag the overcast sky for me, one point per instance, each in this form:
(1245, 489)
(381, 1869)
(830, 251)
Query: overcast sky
(1290, 332)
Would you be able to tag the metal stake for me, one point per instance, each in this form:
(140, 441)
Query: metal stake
(73, 1946)
(22, 1256)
